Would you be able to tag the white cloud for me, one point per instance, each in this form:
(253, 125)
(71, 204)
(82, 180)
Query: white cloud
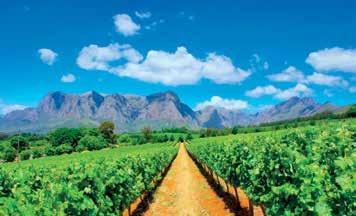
(93, 57)
(322, 79)
(47, 56)
(291, 74)
(300, 90)
(216, 101)
(257, 63)
(68, 78)
(262, 90)
(333, 59)
(125, 25)
(7, 108)
(182, 68)
(143, 15)
(220, 69)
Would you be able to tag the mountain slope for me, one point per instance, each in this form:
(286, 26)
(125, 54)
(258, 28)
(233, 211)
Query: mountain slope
(128, 112)
(294, 107)
(132, 112)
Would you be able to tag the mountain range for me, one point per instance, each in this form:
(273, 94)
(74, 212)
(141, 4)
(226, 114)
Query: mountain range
(132, 112)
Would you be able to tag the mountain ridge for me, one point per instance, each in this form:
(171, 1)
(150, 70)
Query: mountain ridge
(132, 112)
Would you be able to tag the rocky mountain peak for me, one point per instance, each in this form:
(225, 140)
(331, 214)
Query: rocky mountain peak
(164, 96)
(132, 112)
(95, 97)
(52, 101)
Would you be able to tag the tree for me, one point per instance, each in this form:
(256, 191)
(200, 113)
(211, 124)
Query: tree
(235, 130)
(209, 132)
(107, 128)
(62, 136)
(147, 133)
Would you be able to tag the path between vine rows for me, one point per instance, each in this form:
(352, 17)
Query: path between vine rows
(185, 191)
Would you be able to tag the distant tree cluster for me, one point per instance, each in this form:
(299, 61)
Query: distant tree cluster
(56, 142)
(68, 140)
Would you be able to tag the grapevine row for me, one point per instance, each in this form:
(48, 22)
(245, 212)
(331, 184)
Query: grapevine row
(100, 187)
(308, 171)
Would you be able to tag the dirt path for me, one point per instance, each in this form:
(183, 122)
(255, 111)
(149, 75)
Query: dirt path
(185, 191)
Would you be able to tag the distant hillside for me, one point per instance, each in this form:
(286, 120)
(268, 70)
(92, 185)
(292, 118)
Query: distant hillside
(132, 112)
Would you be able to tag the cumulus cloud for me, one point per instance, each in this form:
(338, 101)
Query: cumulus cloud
(230, 104)
(7, 108)
(47, 56)
(322, 79)
(262, 90)
(93, 57)
(291, 74)
(182, 68)
(143, 15)
(333, 59)
(125, 25)
(69, 78)
(178, 68)
(300, 90)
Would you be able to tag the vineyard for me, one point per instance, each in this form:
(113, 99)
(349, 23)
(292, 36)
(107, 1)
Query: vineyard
(301, 171)
(308, 171)
(92, 185)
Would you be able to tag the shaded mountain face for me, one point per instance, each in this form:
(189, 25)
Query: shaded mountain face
(132, 112)
(294, 107)
(217, 117)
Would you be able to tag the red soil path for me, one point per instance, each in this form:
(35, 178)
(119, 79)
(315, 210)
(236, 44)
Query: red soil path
(185, 191)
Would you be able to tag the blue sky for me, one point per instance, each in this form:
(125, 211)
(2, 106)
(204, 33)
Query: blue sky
(248, 54)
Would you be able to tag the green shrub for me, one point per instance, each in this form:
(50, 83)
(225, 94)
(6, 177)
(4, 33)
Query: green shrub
(125, 138)
(19, 142)
(37, 152)
(91, 143)
(49, 150)
(189, 136)
(26, 154)
(180, 139)
(64, 149)
(7, 152)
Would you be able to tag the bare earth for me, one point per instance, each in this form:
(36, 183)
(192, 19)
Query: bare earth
(185, 191)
